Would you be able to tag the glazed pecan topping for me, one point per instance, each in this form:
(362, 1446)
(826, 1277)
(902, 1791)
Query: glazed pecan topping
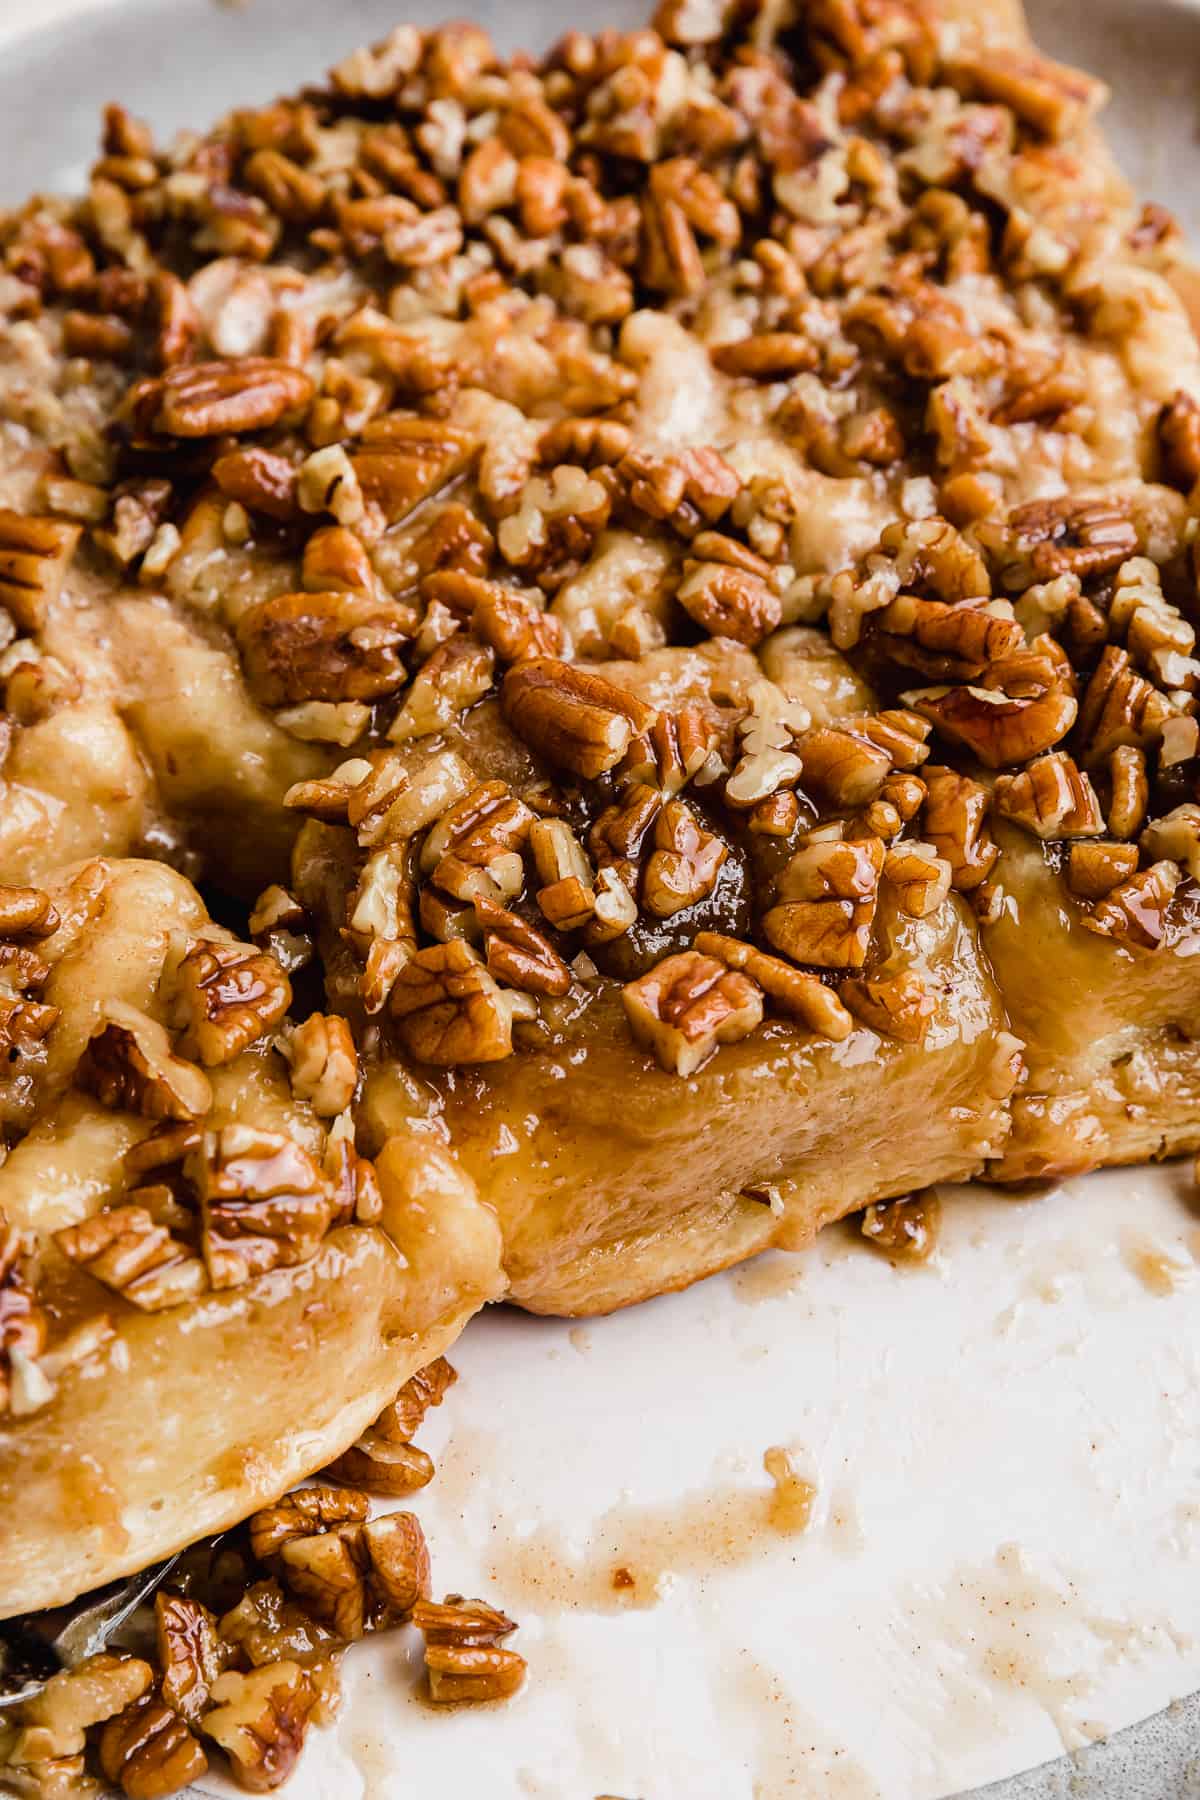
(264, 1203)
(567, 896)
(1179, 436)
(1134, 912)
(457, 674)
(1120, 708)
(576, 719)
(687, 491)
(1072, 535)
(1175, 837)
(35, 555)
(1050, 97)
(687, 1005)
(955, 823)
(896, 1006)
(260, 480)
(474, 850)
(826, 903)
(685, 863)
(463, 1651)
(1052, 797)
(199, 400)
(260, 1719)
(390, 803)
(904, 1230)
(148, 1751)
(128, 1063)
(511, 621)
(126, 1249)
(841, 767)
(23, 1330)
(227, 996)
(920, 877)
(1093, 870)
(949, 643)
(727, 600)
(323, 1063)
(335, 646)
(26, 912)
(404, 460)
(792, 992)
(998, 726)
(517, 954)
(449, 1009)
(190, 1654)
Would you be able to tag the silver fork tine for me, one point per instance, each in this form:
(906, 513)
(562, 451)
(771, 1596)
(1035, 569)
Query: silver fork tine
(37, 1646)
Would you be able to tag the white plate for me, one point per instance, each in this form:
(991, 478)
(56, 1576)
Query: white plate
(1004, 1559)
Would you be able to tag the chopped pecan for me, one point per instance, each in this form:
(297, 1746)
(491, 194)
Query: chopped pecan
(457, 674)
(330, 799)
(999, 727)
(264, 1203)
(474, 850)
(463, 1653)
(76, 1699)
(210, 399)
(767, 733)
(375, 1465)
(400, 1419)
(334, 559)
(1179, 436)
(398, 1565)
(1052, 97)
(791, 991)
(685, 863)
(127, 1250)
(728, 601)
(688, 1004)
(1052, 797)
(949, 643)
(512, 621)
(766, 356)
(1093, 870)
(688, 490)
(842, 767)
(34, 557)
(826, 903)
(1071, 535)
(898, 1006)
(517, 954)
(556, 520)
(576, 719)
(1134, 913)
(301, 1514)
(1120, 707)
(149, 1752)
(128, 1064)
(567, 896)
(391, 803)
(190, 1654)
(323, 1063)
(260, 1720)
(920, 876)
(955, 823)
(226, 997)
(449, 1009)
(1176, 837)
(260, 480)
(904, 1230)
(671, 752)
(26, 912)
(403, 460)
(335, 646)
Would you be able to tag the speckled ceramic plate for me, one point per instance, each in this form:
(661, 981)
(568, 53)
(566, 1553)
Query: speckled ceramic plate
(941, 1409)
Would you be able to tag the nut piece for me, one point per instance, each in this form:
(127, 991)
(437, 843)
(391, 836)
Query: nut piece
(148, 1751)
(685, 863)
(457, 674)
(449, 1009)
(576, 719)
(518, 954)
(897, 1006)
(55, 1721)
(323, 1062)
(827, 895)
(841, 767)
(226, 997)
(190, 1654)
(688, 1004)
(128, 1064)
(264, 1203)
(1053, 798)
(999, 727)
(1095, 869)
(728, 601)
(391, 803)
(792, 992)
(920, 876)
(1176, 836)
(333, 647)
(304, 1513)
(34, 557)
(212, 398)
(403, 460)
(260, 1720)
(1134, 913)
(904, 1230)
(955, 823)
(568, 896)
(26, 912)
(462, 1650)
(23, 1324)
(123, 1247)
(1120, 708)
(474, 850)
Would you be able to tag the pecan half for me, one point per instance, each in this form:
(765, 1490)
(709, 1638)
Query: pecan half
(463, 1653)
(264, 1203)
(1120, 708)
(148, 1751)
(335, 646)
(728, 601)
(190, 1654)
(124, 1247)
(1052, 797)
(1134, 913)
(1093, 870)
(449, 1009)
(128, 1064)
(226, 997)
(403, 460)
(474, 850)
(35, 555)
(688, 1004)
(576, 719)
(955, 823)
(517, 954)
(897, 1006)
(209, 399)
(685, 863)
(920, 876)
(826, 903)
